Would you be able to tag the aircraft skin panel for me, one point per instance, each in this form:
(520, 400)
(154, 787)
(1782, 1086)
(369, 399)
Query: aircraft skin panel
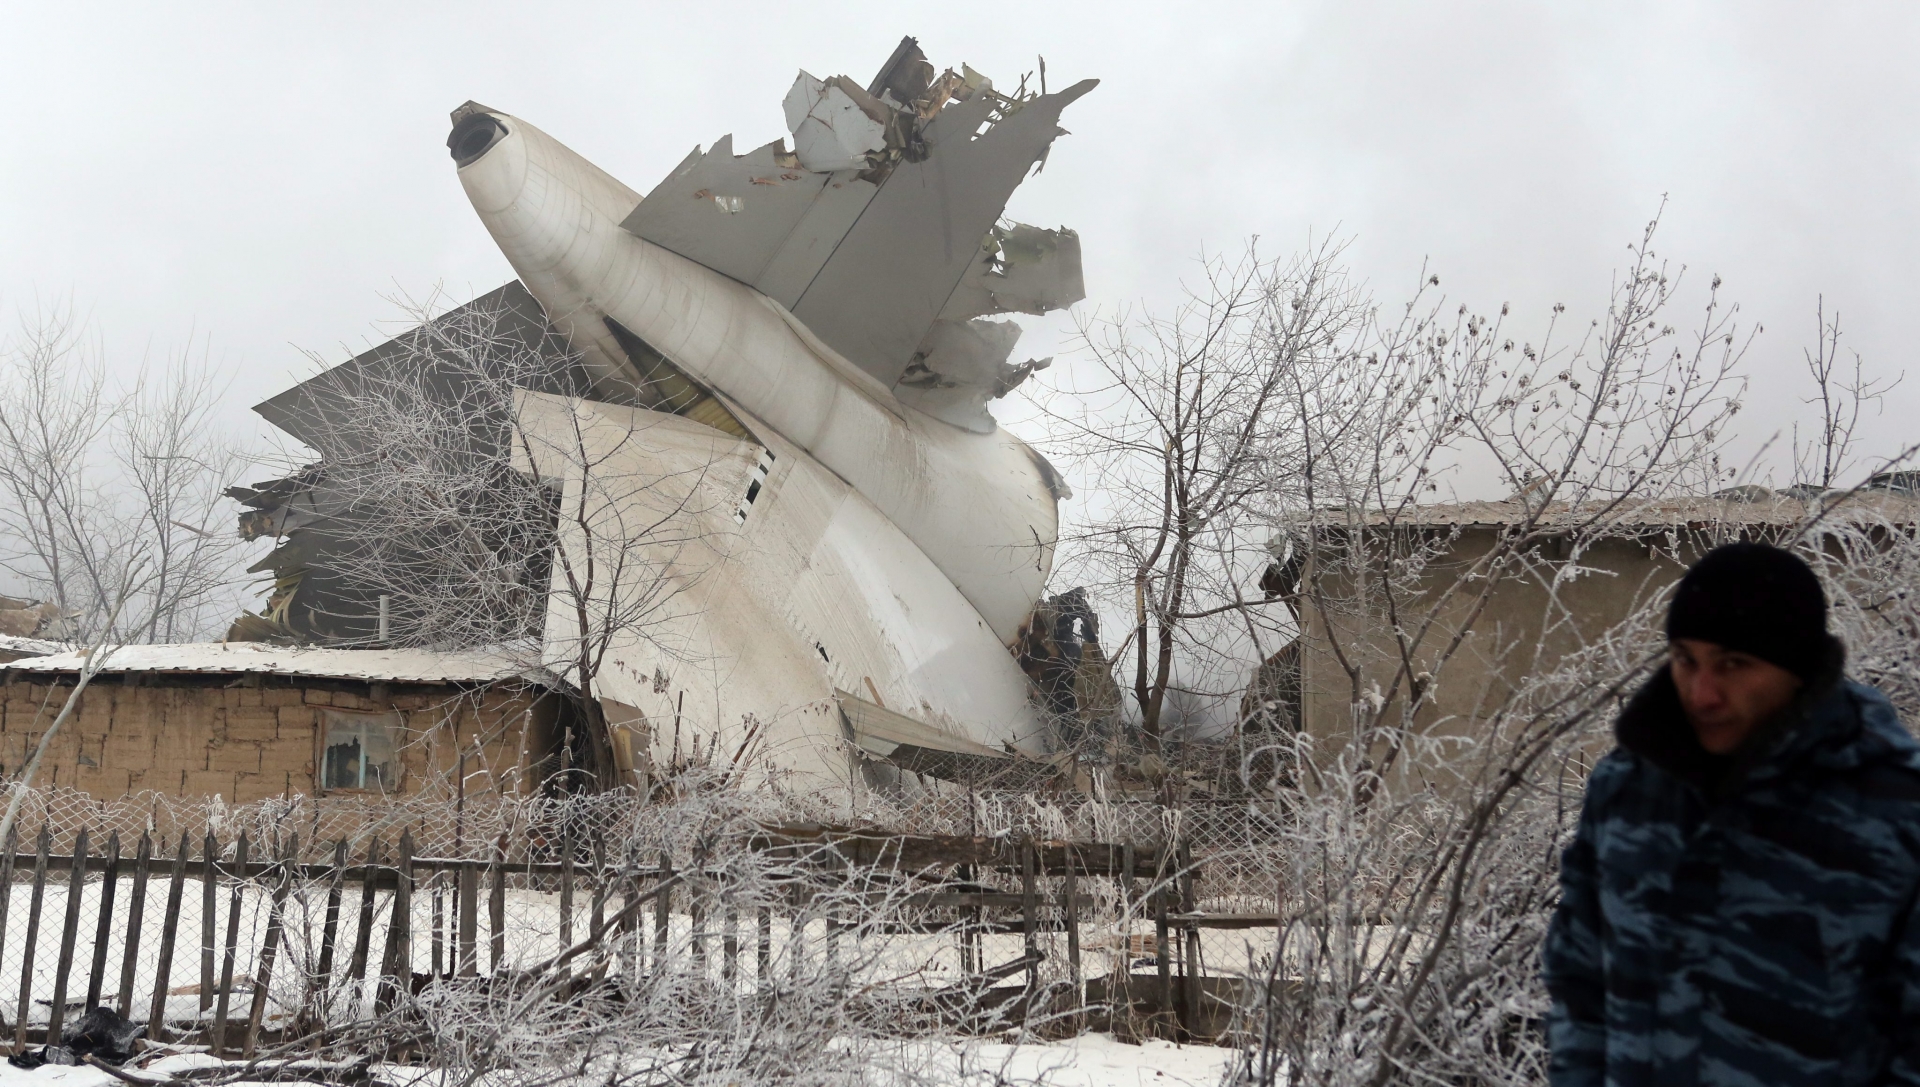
(978, 506)
(893, 273)
(765, 616)
(806, 250)
(732, 214)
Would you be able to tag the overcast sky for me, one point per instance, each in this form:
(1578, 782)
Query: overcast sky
(260, 175)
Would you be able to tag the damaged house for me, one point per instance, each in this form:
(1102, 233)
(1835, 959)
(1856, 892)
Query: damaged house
(724, 450)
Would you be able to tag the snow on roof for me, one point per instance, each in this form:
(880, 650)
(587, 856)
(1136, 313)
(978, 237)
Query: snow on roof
(14, 646)
(232, 658)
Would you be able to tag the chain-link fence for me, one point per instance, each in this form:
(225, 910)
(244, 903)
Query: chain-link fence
(291, 911)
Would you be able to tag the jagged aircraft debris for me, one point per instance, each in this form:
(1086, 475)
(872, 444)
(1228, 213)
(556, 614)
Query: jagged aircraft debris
(806, 333)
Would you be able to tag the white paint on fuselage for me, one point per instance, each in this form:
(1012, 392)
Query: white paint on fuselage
(817, 589)
(977, 506)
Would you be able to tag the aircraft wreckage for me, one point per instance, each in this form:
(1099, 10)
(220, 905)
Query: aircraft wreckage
(811, 328)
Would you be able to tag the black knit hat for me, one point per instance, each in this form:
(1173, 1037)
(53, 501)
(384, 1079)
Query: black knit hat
(1755, 599)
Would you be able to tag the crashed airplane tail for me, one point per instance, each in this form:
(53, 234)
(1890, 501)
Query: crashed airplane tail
(791, 349)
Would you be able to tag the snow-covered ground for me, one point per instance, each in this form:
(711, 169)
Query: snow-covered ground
(1094, 1060)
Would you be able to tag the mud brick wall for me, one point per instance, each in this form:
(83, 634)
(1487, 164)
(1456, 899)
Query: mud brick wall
(257, 737)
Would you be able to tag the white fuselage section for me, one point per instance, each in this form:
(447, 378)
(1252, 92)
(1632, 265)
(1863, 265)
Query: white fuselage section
(900, 499)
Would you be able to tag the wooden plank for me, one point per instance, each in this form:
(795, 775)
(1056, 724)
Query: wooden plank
(6, 889)
(24, 1011)
(330, 934)
(632, 925)
(1124, 884)
(468, 911)
(263, 970)
(1070, 910)
(566, 885)
(1224, 920)
(76, 890)
(438, 881)
(796, 934)
(599, 926)
(169, 932)
(602, 890)
(103, 927)
(763, 948)
(1029, 916)
(235, 899)
(1191, 962)
(497, 907)
(363, 935)
(1162, 951)
(964, 935)
(663, 914)
(697, 917)
(136, 922)
(915, 852)
(396, 966)
(209, 916)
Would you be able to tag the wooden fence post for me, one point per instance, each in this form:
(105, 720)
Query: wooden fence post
(76, 890)
(235, 899)
(438, 882)
(797, 931)
(1162, 947)
(1127, 897)
(209, 914)
(322, 989)
(169, 931)
(1029, 906)
(6, 887)
(396, 965)
(663, 913)
(33, 936)
(103, 926)
(763, 949)
(263, 970)
(1191, 962)
(136, 921)
(363, 934)
(599, 923)
(566, 885)
(1071, 908)
(467, 907)
(633, 929)
(497, 907)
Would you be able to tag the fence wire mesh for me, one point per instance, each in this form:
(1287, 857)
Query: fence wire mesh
(486, 896)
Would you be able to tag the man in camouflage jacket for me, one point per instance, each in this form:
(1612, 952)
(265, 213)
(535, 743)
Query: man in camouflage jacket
(1738, 904)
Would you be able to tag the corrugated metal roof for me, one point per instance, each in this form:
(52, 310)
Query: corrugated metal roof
(235, 658)
(1771, 509)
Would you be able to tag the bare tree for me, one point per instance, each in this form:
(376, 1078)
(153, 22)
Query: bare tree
(1841, 392)
(92, 476)
(1178, 435)
(1425, 803)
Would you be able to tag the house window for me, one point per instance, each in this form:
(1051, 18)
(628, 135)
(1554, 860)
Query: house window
(359, 753)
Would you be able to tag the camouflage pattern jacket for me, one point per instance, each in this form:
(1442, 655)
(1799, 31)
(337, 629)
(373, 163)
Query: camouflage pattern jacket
(1746, 919)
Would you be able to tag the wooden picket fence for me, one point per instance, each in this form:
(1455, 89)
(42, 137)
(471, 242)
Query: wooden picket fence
(134, 959)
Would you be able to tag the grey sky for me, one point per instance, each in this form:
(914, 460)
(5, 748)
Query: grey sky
(260, 175)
